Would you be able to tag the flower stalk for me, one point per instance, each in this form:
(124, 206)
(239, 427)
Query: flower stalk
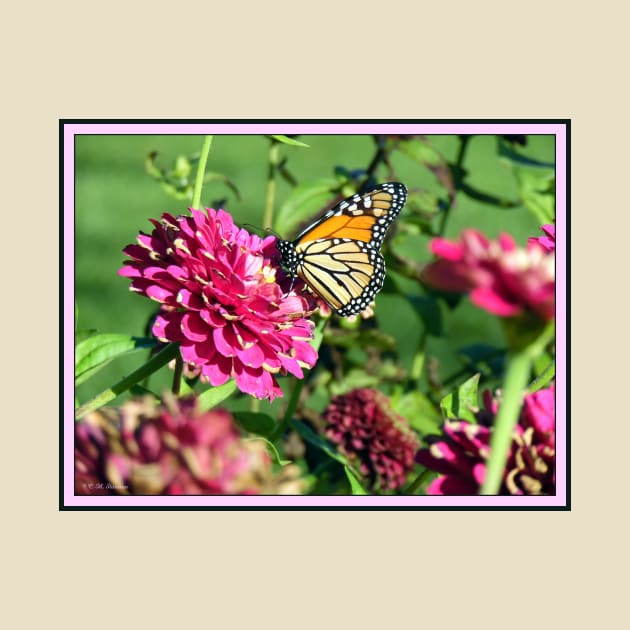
(201, 170)
(270, 195)
(518, 369)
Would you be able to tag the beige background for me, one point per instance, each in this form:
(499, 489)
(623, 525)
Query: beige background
(315, 569)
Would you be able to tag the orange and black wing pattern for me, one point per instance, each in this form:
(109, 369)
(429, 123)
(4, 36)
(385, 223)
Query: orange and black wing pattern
(338, 256)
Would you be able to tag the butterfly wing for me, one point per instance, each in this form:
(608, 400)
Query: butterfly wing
(363, 216)
(346, 274)
(338, 255)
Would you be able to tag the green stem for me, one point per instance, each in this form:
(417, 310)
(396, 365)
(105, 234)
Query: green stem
(291, 407)
(177, 374)
(516, 377)
(519, 366)
(201, 171)
(158, 361)
(270, 195)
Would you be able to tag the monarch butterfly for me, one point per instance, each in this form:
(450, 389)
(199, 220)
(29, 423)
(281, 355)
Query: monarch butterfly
(338, 255)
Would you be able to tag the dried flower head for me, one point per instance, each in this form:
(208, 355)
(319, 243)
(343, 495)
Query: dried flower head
(368, 431)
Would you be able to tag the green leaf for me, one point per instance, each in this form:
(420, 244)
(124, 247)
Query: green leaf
(259, 423)
(464, 402)
(355, 484)
(483, 358)
(428, 309)
(354, 379)
(419, 411)
(273, 451)
(537, 190)
(304, 201)
(95, 352)
(544, 374)
(290, 141)
(215, 395)
(319, 442)
(81, 335)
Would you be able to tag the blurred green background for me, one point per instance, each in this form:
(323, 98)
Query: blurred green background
(115, 197)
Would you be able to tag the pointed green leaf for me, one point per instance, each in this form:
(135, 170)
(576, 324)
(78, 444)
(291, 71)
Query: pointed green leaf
(216, 395)
(273, 451)
(483, 358)
(355, 484)
(428, 309)
(290, 141)
(464, 402)
(259, 423)
(95, 352)
(81, 335)
(545, 369)
(319, 442)
(303, 203)
(419, 411)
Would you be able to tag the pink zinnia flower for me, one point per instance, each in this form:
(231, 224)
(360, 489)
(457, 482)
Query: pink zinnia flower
(368, 431)
(539, 413)
(143, 448)
(501, 278)
(461, 453)
(548, 242)
(221, 300)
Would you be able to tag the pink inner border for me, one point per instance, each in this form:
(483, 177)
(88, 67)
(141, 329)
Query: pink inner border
(283, 127)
